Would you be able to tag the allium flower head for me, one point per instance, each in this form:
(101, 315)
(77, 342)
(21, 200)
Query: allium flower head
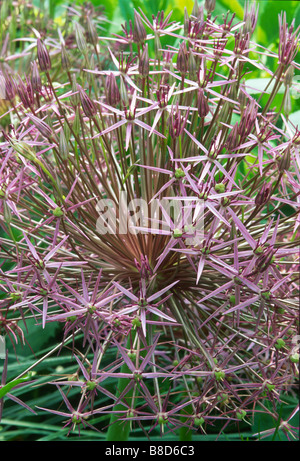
(149, 221)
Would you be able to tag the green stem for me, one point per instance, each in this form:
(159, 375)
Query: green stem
(185, 433)
(119, 431)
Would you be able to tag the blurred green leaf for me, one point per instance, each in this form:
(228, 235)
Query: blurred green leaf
(7, 387)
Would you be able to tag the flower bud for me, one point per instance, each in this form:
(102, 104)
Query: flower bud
(157, 46)
(287, 104)
(195, 10)
(88, 105)
(265, 259)
(219, 375)
(42, 127)
(124, 92)
(250, 18)
(209, 5)
(67, 132)
(263, 195)
(136, 323)
(144, 63)
(177, 122)
(6, 213)
(63, 146)
(80, 38)
(177, 233)
(43, 56)
(92, 32)
(202, 104)
(65, 61)
(76, 123)
(139, 31)
(192, 66)
(233, 137)
(288, 76)
(284, 160)
(179, 173)
(183, 59)
(25, 93)
(186, 22)
(23, 149)
(58, 212)
(9, 87)
(75, 98)
(35, 78)
(113, 94)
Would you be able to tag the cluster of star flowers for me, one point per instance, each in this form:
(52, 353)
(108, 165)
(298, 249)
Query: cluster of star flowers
(176, 325)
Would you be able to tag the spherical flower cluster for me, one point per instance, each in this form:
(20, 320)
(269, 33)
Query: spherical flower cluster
(179, 316)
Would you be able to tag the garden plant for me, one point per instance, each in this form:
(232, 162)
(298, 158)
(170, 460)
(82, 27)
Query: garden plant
(149, 214)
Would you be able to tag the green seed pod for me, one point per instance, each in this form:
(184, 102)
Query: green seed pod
(15, 296)
(57, 212)
(91, 385)
(75, 99)
(136, 322)
(270, 387)
(294, 358)
(162, 418)
(219, 375)
(280, 343)
(225, 201)
(198, 421)
(179, 173)
(240, 414)
(232, 300)
(223, 398)
(177, 233)
(132, 355)
(266, 295)
(91, 309)
(258, 250)
(72, 318)
(220, 188)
